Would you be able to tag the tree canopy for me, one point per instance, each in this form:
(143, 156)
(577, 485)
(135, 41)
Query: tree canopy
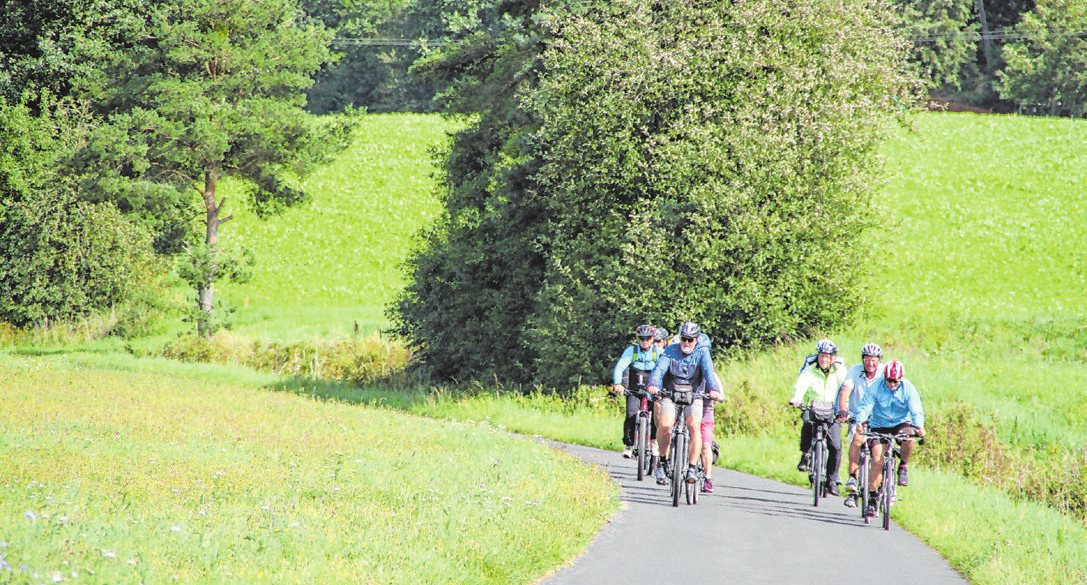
(1048, 65)
(659, 163)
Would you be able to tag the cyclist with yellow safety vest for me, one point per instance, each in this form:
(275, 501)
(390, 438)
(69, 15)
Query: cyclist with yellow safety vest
(821, 382)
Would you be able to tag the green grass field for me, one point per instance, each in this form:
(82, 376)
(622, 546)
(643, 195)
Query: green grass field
(139, 471)
(323, 267)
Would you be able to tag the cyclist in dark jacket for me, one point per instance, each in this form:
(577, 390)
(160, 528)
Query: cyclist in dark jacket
(684, 366)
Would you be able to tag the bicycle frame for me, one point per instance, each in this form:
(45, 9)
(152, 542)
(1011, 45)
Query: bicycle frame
(889, 486)
(679, 456)
(818, 452)
(642, 439)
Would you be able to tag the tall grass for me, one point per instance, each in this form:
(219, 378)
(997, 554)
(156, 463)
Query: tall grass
(122, 477)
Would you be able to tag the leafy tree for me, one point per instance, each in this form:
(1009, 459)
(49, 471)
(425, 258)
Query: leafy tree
(197, 91)
(381, 41)
(944, 37)
(60, 258)
(665, 162)
(1049, 65)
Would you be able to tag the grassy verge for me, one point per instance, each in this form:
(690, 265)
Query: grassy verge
(114, 476)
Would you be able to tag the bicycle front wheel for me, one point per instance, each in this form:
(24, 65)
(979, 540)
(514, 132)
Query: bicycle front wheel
(643, 446)
(818, 471)
(888, 495)
(679, 466)
(863, 475)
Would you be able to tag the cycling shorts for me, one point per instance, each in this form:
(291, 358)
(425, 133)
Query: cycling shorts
(668, 406)
(899, 429)
(707, 423)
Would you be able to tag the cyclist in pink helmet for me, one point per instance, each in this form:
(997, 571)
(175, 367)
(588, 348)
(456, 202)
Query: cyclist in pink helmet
(892, 407)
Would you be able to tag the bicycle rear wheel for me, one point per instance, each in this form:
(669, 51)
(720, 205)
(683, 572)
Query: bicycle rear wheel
(693, 488)
(642, 444)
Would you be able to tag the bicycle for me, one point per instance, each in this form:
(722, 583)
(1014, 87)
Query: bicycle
(889, 487)
(682, 397)
(642, 438)
(862, 475)
(821, 415)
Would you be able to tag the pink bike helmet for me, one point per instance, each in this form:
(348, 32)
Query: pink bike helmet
(895, 371)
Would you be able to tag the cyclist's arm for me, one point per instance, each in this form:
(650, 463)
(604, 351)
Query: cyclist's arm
(800, 389)
(621, 366)
(864, 410)
(844, 393)
(917, 413)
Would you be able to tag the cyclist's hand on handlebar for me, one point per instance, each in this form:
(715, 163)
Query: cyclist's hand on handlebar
(919, 431)
(795, 403)
(618, 388)
(841, 415)
(715, 396)
(653, 390)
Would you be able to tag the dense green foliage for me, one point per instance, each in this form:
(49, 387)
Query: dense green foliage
(673, 163)
(380, 42)
(61, 258)
(1049, 65)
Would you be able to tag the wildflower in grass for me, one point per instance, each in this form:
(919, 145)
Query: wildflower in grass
(109, 554)
(30, 515)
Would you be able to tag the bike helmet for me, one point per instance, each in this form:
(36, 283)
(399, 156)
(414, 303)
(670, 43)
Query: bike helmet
(872, 349)
(660, 334)
(645, 332)
(826, 346)
(894, 371)
(689, 329)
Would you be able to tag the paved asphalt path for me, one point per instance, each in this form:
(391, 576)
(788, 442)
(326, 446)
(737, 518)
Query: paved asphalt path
(749, 530)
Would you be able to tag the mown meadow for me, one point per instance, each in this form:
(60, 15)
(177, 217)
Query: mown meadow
(976, 285)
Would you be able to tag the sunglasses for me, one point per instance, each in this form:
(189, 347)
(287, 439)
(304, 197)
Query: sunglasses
(687, 339)
(645, 338)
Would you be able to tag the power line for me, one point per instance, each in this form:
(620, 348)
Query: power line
(1000, 35)
(390, 42)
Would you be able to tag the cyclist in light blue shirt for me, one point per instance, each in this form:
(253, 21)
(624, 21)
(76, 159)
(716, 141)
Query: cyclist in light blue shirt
(632, 371)
(891, 407)
(858, 380)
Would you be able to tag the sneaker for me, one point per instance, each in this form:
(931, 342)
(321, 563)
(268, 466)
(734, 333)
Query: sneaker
(851, 501)
(903, 477)
(692, 475)
(851, 486)
(707, 486)
(870, 509)
(628, 453)
(659, 475)
(803, 465)
(832, 488)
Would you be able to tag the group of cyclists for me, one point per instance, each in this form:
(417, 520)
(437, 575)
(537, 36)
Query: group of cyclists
(870, 397)
(657, 366)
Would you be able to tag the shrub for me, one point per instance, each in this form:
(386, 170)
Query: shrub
(661, 162)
